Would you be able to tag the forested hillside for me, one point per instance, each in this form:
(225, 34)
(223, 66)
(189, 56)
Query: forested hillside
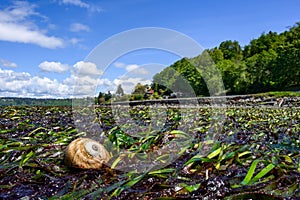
(269, 63)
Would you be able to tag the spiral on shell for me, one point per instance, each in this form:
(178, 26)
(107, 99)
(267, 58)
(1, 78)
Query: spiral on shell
(86, 153)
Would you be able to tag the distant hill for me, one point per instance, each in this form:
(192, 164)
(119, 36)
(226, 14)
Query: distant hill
(14, 101)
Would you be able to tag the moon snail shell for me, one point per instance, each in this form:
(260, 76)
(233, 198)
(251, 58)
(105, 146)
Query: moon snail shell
(86, 153)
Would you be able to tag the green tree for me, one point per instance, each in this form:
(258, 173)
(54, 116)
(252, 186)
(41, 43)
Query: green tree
(120, 91)
(107, 96)
(259, 69)
(264, 43)
(216, 54)
(286, 73)
(138, 92)
(270, 62)
(139, 89)
(163, 81)
(231, 50)
(101, 98)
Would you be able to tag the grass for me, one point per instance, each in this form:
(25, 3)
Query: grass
(280, 94)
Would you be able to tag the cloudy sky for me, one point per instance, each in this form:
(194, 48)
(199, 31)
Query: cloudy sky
(45, 46)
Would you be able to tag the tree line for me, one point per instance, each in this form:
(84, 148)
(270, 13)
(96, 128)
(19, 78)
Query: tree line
(269, 63)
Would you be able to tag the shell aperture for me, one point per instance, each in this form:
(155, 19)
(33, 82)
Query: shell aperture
(93, 148)
(86, 153)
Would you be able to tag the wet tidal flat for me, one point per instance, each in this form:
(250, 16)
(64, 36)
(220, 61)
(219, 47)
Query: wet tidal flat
(249, 152)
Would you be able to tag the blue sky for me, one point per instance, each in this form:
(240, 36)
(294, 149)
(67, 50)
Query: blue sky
(44, 44)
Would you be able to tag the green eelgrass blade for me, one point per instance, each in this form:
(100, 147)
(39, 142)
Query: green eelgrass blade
(250, 172)
(214, 153)
(262, 173)
(168, 170)
(129, 184)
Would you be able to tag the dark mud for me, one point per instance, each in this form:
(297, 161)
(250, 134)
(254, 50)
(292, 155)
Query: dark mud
(33, 140)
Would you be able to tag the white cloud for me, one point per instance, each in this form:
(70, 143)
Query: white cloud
(77, 42)
(82, 4)
(76, 3)
(7, 63)
(22, 84)
(74, 40)
(19, 33)
(140, 71)
(77, 27)
(136, 70)
(53, 67)
(119, 65)
(128, 83)
(83, 81)
(15, 26)
(132, 68)
(20, 10)
(45, 86)
(86, 85)
(134, 74)
(87, 69)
